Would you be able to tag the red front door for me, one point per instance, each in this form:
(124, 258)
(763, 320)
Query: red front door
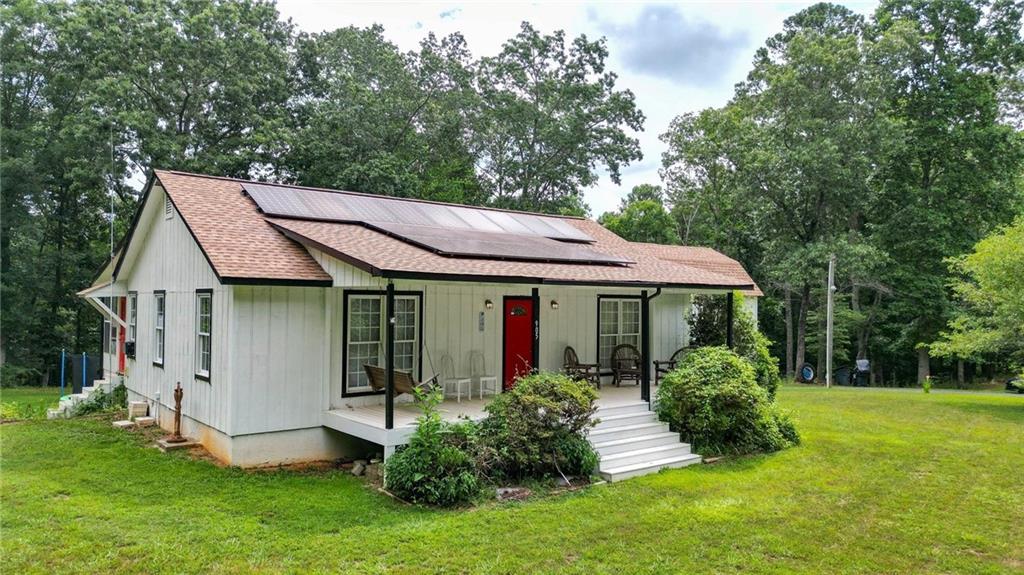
(518, 338)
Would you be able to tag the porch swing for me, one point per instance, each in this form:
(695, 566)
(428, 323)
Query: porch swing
(404, 381)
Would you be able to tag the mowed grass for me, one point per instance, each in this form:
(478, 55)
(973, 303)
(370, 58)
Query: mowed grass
(29, 402)
(885, 482)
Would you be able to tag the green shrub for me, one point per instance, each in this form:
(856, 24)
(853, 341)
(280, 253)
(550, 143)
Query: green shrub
(538, 429)
(709, 329)
(101, 401)
(436, 467)
(16, 376)
(714, 401)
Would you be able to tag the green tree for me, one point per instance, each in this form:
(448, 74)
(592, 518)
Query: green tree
(785, 160)
(989, 287)
(373, 119)
(954, 176)
(550, 116)
(642, 221)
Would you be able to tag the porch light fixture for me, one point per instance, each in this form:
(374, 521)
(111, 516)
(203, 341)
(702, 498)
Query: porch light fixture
(554, 304)
(488, 304)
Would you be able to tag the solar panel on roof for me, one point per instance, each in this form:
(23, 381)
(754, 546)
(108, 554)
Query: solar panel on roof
(445, 229)
(470, 243)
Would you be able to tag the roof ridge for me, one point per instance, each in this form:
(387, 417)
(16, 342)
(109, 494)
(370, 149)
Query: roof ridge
(366, 194)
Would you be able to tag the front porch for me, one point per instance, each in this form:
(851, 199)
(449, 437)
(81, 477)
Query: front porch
(368, 421)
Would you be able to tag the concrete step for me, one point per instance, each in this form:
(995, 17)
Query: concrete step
(634, 407)
(644, 455)
(606, 422)
(624, 431)
(612, 447)
(625, 472)
(145, 421)
(58, 413)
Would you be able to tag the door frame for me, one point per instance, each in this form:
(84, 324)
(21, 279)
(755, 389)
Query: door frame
(534, 298)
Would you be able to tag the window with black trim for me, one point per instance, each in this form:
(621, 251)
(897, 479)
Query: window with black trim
(159, 307)
(618, 323)
(204, 333)
(365, 332)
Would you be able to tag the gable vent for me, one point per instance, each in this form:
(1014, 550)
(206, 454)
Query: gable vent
(168, 208)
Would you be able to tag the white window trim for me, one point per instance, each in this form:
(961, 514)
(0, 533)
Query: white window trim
(619, 335)
(133, 315)
(347, 388)
(159, 327)
(201, 371)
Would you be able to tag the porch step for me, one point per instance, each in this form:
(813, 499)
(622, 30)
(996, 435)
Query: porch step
(622, 432)
(609, 448)
(636, 469)
(634, 407)
(608, 421)
(631, 442)
(645, 454)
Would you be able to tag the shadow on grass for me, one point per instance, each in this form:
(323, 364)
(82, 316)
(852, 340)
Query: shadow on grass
(1008, 411)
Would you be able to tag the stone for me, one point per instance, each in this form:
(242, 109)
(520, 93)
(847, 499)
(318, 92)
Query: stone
(359, 467)
(124, 424)
(145, 421)
(165, 445)
(137, 409)
(511, 493)
(373, 471)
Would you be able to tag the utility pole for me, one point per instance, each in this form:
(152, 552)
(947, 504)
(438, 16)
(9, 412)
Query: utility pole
(828, 326)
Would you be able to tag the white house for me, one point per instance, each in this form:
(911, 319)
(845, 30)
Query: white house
(266, 301)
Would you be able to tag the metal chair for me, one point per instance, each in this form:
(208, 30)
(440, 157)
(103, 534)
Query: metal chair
(664, 366)
(625, 364)
(583, 371)
(449, 378)
(478, 371)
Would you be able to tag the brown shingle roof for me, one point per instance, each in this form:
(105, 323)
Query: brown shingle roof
(703, 258)
(243, 245)
(239, 243)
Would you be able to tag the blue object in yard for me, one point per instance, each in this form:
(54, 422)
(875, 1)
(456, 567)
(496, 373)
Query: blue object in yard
(807, 373)
(63, 360)
(82, 366)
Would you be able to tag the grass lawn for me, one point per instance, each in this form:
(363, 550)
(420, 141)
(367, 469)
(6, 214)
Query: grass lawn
(28, 402)
(885, 482)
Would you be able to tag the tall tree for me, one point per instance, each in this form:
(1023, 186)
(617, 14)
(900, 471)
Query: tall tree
(550, 116)
(373, 119)
(787, 157)
(954, 177)
(643, 217)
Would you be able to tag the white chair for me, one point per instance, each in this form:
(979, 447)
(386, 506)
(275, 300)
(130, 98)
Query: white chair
(478, 371)
(449, 378)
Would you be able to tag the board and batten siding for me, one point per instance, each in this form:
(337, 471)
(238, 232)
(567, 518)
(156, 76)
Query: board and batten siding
(170, 260)
(280, 365)
(451, 322)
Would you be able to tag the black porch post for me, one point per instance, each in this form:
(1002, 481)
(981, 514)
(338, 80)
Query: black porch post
(645, 346)
(728, 320)
(389, 350)
(535, 356)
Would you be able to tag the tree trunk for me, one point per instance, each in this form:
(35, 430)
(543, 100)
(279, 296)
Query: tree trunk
(922, 364)
(801, 327)
(960, 373)
(790, 372)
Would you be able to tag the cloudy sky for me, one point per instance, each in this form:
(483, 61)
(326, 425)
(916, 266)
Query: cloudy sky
(676, 57)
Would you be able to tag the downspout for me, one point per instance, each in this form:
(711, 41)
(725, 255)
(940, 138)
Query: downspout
(645, 343)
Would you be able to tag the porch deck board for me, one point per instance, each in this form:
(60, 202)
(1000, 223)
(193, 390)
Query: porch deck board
(368, 421)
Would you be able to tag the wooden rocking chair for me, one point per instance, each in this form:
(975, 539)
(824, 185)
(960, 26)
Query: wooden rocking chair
(581, 371)
(625, 364)
(404, 383)
(664, 366)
